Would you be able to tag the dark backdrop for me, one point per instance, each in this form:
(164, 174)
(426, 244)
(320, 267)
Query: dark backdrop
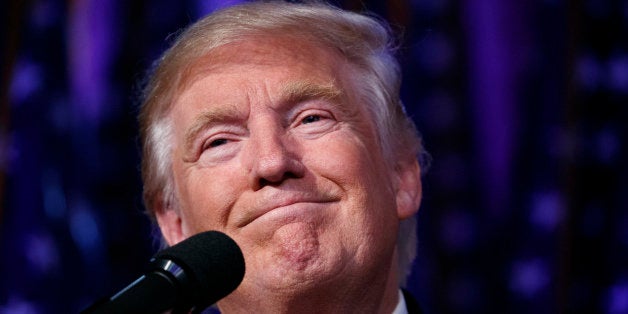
(522, 104)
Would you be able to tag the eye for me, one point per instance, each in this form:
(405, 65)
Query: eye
(313, 121)
(216, 143)
(310, 119)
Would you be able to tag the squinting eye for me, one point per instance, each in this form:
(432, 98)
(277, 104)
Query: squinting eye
(310, 119)
(216, 143)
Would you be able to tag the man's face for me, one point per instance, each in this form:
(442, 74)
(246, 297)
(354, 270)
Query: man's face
(273, 147)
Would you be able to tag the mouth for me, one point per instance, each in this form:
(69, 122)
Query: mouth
(280, 205)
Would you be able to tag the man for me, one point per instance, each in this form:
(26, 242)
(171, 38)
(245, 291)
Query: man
(280, 125)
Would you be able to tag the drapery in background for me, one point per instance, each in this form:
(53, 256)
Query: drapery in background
(523, 106)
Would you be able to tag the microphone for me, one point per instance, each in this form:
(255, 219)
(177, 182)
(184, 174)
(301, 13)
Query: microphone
(188, 276)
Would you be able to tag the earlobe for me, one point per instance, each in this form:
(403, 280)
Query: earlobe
(170, 223)
(409, 188)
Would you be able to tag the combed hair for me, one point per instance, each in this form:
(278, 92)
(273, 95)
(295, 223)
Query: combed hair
(364, 41)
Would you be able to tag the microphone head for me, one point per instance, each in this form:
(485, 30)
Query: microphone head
(212, 263)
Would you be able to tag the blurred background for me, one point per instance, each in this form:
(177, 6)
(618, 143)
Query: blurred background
(522, 104)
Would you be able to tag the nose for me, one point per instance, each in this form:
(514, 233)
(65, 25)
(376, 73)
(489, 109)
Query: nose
(272, 158)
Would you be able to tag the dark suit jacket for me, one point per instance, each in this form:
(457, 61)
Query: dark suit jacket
(411, 304)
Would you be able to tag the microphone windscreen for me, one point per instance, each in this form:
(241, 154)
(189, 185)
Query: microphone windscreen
(212, 260)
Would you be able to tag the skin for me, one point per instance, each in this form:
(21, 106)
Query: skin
(273, 148)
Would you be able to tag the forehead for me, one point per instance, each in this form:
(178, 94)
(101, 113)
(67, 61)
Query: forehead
(287, 57)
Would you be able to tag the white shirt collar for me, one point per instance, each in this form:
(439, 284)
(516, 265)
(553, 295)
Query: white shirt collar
(401, 305)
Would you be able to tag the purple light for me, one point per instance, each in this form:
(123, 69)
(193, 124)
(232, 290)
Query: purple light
(607, 145)
(618, 73)
(547, 210)
(9, 151)
(45, 14)
(42, 253)
(529, 278)
(91, 45)
(17, 305)
(85, 231)
(617, 299)
(495, 56)
(204, 7)
(27, 79)
(589, 72)
(54, 196)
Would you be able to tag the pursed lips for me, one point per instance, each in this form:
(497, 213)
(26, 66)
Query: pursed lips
(281, 199)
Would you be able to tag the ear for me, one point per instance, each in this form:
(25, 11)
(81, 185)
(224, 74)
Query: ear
(409, 189)
(169, 221)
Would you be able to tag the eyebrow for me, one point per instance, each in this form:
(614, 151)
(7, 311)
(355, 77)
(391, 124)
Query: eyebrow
(217, 115)
(301, 91)
(295, 92)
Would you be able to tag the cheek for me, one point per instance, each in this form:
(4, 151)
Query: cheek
(355, 164)
(369, 211)
(205, 198)
(351, 158)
